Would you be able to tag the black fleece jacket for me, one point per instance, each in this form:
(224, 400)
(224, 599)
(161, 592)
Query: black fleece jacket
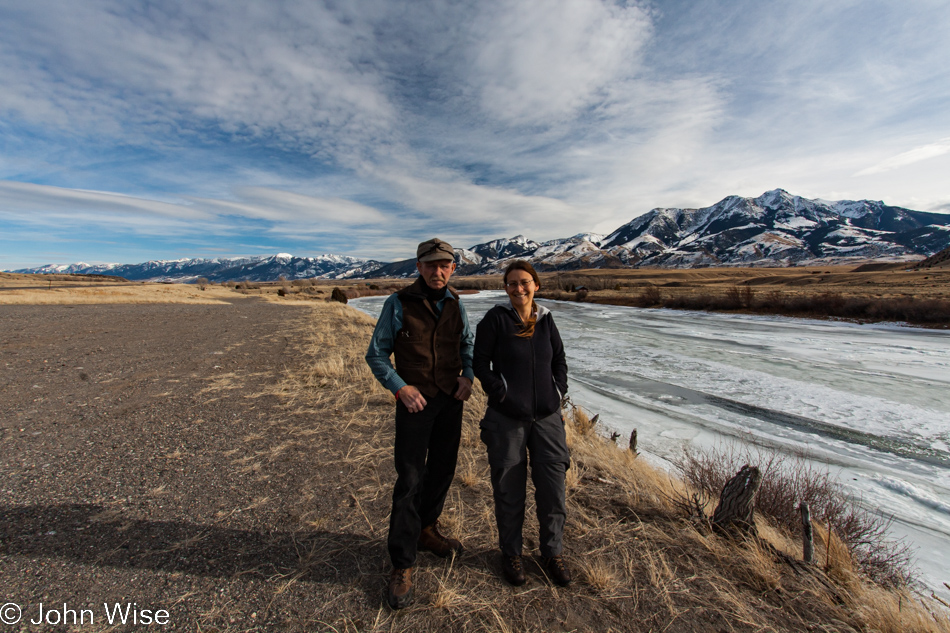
(524, 378)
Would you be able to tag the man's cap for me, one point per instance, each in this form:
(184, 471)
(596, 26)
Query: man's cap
(434, 250)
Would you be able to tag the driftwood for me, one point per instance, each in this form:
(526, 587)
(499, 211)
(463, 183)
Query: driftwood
(808, 539)
(633, 441)
(736, 503)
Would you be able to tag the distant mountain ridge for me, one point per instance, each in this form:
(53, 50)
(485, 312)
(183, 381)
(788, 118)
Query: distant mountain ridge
(774, 229)
(262, 268)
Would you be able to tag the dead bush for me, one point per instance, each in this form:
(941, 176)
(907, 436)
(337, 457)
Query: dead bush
(649, 297)
(492, 282)
(338, 295)
(787, 481)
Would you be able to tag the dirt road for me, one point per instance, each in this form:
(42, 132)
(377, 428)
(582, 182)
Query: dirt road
(142, 463)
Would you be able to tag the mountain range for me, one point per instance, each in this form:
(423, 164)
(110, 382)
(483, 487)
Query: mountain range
(774, 229)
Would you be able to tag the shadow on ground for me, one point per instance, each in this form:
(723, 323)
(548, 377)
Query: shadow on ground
(94, 535)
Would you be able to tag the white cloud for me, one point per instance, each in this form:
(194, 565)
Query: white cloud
(296, 209)
(910, 157)
(27, 200)
(285, 72)
(537, 61)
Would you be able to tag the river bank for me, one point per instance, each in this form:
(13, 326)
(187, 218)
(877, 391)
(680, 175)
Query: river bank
(869, 293)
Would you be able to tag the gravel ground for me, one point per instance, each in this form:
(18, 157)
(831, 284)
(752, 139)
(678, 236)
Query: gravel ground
(145, 460)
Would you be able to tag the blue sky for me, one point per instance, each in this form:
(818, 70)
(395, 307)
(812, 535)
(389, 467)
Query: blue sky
(156, 130)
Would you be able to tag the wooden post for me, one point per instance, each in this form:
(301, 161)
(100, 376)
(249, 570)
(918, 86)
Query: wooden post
(736, 503)
(633, 441)
(808, 539)
(828, 548)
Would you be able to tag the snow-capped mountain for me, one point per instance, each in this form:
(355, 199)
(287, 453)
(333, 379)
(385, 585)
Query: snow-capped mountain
(774, 229)
(263, 268)
(777, 228)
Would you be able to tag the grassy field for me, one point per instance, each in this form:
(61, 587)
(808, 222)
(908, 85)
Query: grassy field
(79, 289)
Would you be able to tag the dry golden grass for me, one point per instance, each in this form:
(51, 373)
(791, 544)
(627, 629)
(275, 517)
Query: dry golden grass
(638, 559)
(891, 281)
(21, 292)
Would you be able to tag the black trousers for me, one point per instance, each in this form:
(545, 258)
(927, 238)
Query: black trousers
(509, 444)
(426, 451)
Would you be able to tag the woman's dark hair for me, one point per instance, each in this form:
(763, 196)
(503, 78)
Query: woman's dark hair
(519, 264)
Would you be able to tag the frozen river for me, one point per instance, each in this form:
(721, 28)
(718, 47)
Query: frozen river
(868, 401)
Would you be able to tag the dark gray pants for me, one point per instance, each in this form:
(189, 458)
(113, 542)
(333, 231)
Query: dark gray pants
(509, 444)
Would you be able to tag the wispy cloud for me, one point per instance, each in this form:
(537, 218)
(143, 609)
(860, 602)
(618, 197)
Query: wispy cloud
(910, 157)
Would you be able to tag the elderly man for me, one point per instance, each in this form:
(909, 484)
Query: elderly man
(426, 328)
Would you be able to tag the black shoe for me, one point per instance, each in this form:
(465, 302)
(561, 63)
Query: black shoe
(557, 570)
(430, 540)
(400, 588)
(513, 568)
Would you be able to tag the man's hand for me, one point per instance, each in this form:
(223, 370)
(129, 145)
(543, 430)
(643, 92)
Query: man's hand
(464, 390)
(412, 398)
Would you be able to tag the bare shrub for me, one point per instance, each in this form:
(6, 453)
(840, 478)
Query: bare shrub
(488, 282)
(787, 481)
(570, 283)
(649, 297)
(581, 294)
(834, 304)
(732, 299)
(338, 295)
(555, 295)
(202, 283)
(747, 296)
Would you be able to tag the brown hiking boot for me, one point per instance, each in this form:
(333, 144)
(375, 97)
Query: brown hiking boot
(557, 570)
(431, 541)
(513, 569)
(400, 588)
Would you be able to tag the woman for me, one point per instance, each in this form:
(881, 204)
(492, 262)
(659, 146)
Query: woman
(519, 359)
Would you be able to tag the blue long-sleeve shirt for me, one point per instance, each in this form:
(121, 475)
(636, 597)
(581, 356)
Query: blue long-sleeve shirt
(384, 338)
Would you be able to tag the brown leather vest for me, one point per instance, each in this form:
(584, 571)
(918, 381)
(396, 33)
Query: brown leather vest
(427, 346)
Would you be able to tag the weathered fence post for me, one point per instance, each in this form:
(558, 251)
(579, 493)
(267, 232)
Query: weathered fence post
(633, 441)
(736, 503)
(808, 539)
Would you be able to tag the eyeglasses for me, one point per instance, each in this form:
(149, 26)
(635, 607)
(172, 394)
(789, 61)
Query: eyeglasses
(520, 284)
